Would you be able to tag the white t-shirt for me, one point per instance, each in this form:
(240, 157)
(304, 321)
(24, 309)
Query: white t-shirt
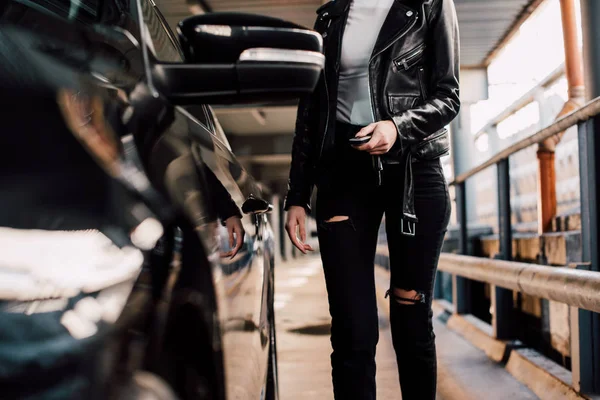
(365, 20)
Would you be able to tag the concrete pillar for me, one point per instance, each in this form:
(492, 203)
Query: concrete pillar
(494, 146)
(473, 88)
(463, 154)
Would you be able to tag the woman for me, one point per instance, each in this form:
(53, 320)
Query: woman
(391, 74)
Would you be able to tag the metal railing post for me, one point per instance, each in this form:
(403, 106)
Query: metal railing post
(585, 360)
(438, 290)
(585, 325)
(503, 321)
(585, 330)
(461, 293)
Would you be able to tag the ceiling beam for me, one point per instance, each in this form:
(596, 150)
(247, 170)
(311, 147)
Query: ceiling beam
(285, 103)
(246, 145)
(235, 109)
(267, 159)
(512, 31)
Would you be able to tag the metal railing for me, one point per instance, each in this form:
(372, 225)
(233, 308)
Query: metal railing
(522, 101)
(582, 114)
(578, 287)
(570, 286)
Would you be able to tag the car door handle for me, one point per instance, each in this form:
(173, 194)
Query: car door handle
(254, 205)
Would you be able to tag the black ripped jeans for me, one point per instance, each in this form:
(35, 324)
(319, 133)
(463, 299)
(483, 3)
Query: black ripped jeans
(349, 189)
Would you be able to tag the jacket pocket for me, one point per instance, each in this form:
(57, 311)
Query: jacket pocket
(409, 59)
(398, 104)
(433, 146)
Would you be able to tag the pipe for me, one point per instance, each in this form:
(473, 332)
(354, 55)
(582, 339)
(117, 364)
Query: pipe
(573, 69)
(573, 59)
(570, 286)
(546, 149)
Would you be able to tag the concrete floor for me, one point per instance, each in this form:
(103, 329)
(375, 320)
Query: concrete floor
(302, 318)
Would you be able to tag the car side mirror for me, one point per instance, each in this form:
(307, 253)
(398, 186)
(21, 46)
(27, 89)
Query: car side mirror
(233, 58)
(254, 205)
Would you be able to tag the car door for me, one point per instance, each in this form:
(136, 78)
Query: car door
(187, 150)
(246, 278)
(239, 283)
(59, 141)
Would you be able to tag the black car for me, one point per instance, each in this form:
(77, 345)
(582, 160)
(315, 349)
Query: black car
(115, 179)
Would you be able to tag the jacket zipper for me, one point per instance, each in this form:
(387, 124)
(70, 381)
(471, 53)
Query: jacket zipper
(326, 118)
(373, 113)
(327, 95)
(337, 62)
(325, 33)
(398, 37)
(377, 159)
(405, 59)
(421, 72)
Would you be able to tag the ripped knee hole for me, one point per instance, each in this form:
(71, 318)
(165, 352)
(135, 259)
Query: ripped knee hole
(408, 297)
(337, 218)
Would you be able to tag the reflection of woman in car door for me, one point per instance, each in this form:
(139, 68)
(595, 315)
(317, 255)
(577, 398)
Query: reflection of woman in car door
(227, 211)
(390, 79)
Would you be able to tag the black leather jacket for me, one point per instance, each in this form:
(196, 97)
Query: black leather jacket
(413, 75)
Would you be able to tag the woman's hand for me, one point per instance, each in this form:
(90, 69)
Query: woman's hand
(236, 232)
(296, 221)
(384, 136)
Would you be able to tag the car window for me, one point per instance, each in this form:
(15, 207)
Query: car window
(218, 130)
(205, 115)
(82, 11)
(163, 44)
(200, 114)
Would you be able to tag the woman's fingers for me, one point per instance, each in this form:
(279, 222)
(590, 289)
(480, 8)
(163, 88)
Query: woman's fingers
(239, 234)
(382, 149)
(231, 238)
(371, 144)
(291, 230)
(302, 232)
(381, 142)
(367, 130)
(296, 221)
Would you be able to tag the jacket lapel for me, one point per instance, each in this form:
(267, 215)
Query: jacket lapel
(399, 16)
(335, 8)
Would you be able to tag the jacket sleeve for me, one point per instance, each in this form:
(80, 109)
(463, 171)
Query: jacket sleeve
(301, 178)
(443, 103)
